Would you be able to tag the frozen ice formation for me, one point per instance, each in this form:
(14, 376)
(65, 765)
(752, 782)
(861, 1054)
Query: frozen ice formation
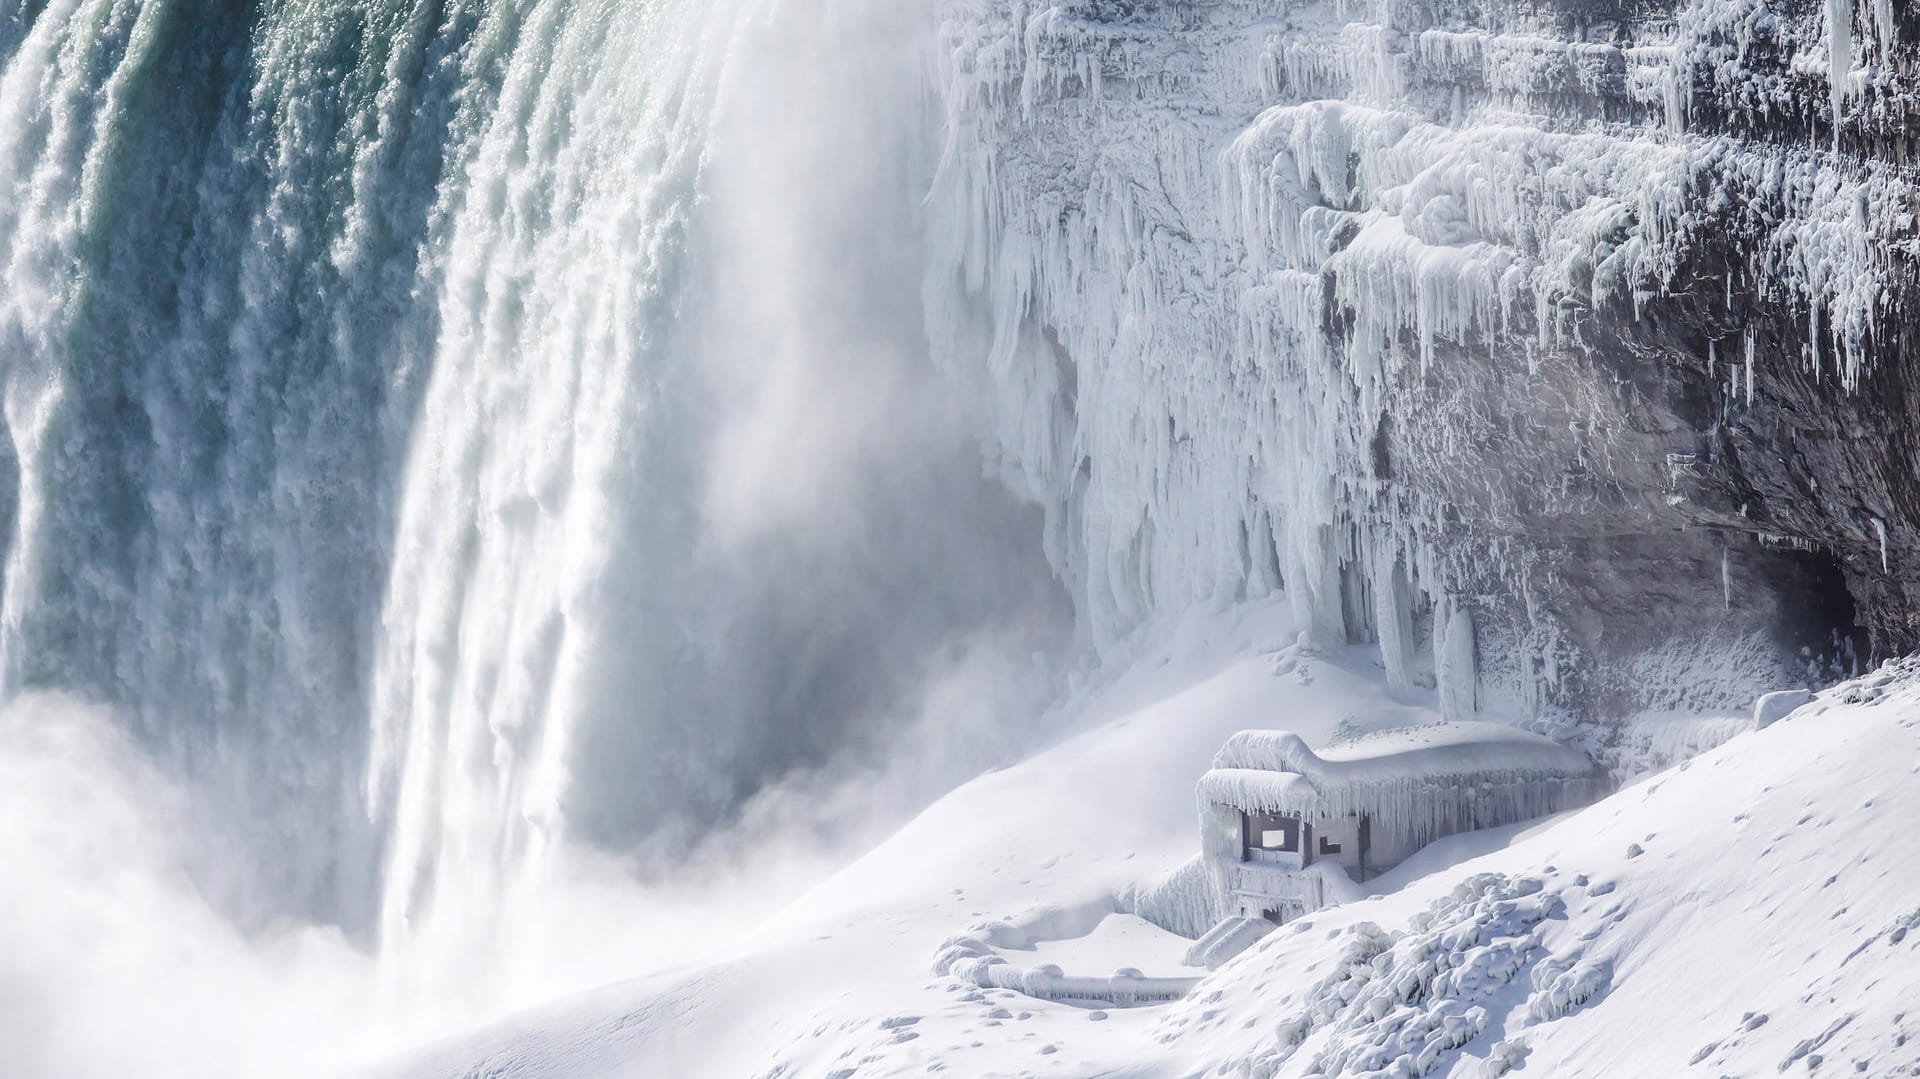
(1403, 1003)
(1516, 338)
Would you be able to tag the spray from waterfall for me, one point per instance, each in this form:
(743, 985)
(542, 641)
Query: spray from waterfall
(485, 458)
(688, 517)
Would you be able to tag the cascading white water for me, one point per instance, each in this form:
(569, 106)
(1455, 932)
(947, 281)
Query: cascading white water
(208, 337)
(454, 433)
(526, 563)
(685, 507)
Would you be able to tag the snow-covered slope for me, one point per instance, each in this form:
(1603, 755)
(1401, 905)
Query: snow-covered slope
(1746, 912)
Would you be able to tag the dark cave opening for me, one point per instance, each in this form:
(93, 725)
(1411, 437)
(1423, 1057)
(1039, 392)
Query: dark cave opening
(1819, 619)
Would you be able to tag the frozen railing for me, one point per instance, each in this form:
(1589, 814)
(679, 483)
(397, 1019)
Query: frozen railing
(972, 957)
(1125, 987)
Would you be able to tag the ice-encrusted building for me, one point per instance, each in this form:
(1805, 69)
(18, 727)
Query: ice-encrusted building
(1276, 816)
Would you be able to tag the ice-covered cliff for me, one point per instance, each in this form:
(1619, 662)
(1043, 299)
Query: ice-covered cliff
(1559, 347)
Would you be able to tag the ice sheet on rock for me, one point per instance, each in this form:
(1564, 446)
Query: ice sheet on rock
(1193, 260)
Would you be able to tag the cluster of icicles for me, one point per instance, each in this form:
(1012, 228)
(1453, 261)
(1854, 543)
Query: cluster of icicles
(1193, 260)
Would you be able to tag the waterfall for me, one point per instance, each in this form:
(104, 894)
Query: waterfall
(527, 593)
(450, 433)
(211, 342)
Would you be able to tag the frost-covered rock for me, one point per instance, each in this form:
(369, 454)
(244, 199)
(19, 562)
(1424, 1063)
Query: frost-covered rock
(1517, 338)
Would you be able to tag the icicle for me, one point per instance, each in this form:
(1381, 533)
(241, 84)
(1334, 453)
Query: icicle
(1749, 369)
(1880, 529)
(1839, 57)
(1813, 336)
(1427, 235)
(1726, 579)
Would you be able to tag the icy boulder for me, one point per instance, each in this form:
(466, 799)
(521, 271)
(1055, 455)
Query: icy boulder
(1771, 708)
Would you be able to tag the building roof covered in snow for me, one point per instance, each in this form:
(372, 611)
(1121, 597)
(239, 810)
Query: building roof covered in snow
(1277, 772)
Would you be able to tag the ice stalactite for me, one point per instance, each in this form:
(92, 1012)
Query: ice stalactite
(1839, 58)
(1394, 626)
(1749, 370)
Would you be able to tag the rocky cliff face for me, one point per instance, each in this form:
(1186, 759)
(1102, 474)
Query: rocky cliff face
(1558, 346)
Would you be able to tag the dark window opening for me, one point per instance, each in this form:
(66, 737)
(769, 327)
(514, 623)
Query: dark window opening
(1328, 846)
(1266, 831)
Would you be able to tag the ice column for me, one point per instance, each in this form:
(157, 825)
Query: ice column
(1455, 660)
